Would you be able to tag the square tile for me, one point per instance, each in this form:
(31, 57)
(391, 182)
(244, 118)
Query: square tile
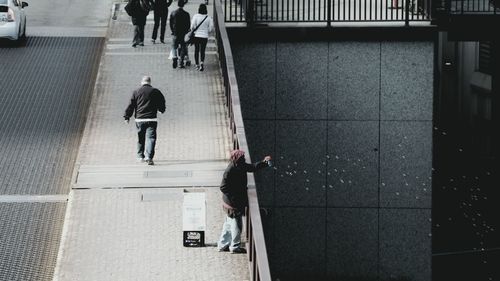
(406, 164)
(301, 80)
(405, 244)
(299, 243)
(267, 214)
(301, 163)
(354, 82)
(352, 244)
(407, 80)
(353, 163)
(261, 142)
(255, 66)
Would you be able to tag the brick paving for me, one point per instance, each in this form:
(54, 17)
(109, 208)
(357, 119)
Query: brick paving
(111, 234)
(45, 90)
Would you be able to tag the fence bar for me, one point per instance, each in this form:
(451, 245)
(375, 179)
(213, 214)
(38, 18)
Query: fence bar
(258, 260)
(329, 7)
(330, 11)
(407, 12)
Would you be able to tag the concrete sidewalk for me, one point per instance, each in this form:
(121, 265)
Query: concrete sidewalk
(124, 220)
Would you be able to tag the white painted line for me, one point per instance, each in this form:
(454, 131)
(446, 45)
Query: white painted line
(135, 54)
(120, 39)
(148, 54)
(64, 237)
(32, 198)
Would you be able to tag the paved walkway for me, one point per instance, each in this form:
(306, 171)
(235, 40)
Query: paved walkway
(124, 220)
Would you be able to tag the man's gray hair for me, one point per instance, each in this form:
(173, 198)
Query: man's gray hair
(146, 80)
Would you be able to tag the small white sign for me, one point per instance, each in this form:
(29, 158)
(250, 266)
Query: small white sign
(194, 211)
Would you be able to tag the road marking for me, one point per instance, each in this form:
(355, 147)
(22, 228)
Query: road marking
(144, 54)
(33, 198)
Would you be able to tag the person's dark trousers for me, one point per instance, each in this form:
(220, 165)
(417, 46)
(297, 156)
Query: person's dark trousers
(200, 44)
(160, 21)
(180, 47)
(146, 133)
(138, 34)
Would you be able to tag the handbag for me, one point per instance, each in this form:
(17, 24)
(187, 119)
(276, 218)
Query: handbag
(188, 38)
(129, 9)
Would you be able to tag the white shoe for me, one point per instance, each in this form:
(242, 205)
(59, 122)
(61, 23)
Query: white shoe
(140, 160)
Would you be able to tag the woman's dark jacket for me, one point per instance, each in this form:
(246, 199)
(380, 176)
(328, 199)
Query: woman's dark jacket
(161, 7)
(140, 10)
(234, 183)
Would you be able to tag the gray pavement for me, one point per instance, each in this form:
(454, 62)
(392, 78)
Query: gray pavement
(88, 18)
(111, 231)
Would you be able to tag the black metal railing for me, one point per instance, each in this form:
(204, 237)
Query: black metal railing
(257, 252)
(469, 7)
(328, 11)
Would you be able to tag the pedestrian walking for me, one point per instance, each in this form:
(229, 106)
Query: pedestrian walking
(235, 199)
(145, 102)
(160, 16)
(179, 25)
(138, 10)
(202, 24)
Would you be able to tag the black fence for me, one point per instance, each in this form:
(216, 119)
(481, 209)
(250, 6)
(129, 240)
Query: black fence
(326, 11)
(258, 263)
(469, 7)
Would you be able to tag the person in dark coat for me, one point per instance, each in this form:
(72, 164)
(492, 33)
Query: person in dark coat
(145, 103)
(235, 199)
(161, 14)
(180, 21)
(139, 11)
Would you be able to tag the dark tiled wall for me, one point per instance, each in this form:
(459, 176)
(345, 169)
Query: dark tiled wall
(350, 127)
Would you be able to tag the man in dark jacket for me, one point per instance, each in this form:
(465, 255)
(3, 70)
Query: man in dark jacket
(180, 21)
(139, 10)
(161, 14)
(145, 102)
(235, 199)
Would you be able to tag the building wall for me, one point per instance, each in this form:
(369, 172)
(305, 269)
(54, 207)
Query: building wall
(350, 127)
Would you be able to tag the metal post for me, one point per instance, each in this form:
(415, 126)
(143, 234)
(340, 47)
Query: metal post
(495, 92)
(329, 7)
(407, 13)
(249, 15)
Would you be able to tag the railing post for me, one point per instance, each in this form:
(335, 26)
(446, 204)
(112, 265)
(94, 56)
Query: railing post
(329, 12)
(407, 13)
(249, 12)
(495, 88)
(258, 258)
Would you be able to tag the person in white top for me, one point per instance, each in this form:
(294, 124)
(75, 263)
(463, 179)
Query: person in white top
(203, 24)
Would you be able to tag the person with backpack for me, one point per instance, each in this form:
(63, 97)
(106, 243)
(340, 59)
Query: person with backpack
(202, 24)
(180, 21)
(138, 10)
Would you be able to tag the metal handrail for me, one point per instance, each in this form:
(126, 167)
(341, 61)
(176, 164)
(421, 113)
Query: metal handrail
(257, 252)
(471, 7)
(327, 11)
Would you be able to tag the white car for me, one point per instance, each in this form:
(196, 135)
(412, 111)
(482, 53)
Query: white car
(12, 19)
